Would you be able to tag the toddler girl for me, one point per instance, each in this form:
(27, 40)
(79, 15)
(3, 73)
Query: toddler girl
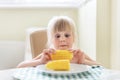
(61, 36)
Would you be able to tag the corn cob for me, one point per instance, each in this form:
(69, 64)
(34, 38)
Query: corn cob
(58, 65)
(62, 54)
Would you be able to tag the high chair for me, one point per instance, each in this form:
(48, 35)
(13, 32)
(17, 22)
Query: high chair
(36, 41)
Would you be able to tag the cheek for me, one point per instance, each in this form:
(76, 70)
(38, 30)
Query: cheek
(71, 40)
(55, 42)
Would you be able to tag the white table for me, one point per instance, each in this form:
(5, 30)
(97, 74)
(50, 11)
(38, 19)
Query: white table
(108, 75)
(111, 75)
(6, 74)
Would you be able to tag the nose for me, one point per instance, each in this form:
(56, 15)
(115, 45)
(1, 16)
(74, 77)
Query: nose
(62, 38)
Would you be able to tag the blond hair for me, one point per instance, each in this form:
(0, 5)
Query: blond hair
(60, 23)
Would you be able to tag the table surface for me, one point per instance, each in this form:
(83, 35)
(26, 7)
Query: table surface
(109, 75)
(6, 74)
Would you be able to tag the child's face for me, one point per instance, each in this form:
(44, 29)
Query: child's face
(63, 40)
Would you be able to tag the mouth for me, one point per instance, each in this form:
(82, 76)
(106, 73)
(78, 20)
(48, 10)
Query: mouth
(63, 45)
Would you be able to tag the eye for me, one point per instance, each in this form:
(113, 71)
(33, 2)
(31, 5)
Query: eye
(57, 36)
(67, 35)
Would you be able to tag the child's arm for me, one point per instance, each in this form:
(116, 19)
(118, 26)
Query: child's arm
(35, 61)
(82, 58)
(43, 58)
(89, 61)
(31, 63)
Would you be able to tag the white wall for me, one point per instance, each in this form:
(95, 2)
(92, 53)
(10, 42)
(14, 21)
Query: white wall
(87, 28)
(115, 37)
(103, 30)
(108, 33)
(11, 53)
(15, 21)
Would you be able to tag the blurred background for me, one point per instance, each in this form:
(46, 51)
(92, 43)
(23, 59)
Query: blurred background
(97, 22)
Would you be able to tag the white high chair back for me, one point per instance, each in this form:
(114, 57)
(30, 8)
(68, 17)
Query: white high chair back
(36, 41)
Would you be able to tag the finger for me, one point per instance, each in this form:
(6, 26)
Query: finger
(71, 51)
(52, 51)
(47, 57)
(80, 53)
(45, 51)
(75, 52)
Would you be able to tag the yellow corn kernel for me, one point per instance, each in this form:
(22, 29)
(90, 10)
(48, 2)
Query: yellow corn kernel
(58, 65)
(62, 54)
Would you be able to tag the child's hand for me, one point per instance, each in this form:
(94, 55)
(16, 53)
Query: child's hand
(81, 58)
(45, 55)
(78, 56)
